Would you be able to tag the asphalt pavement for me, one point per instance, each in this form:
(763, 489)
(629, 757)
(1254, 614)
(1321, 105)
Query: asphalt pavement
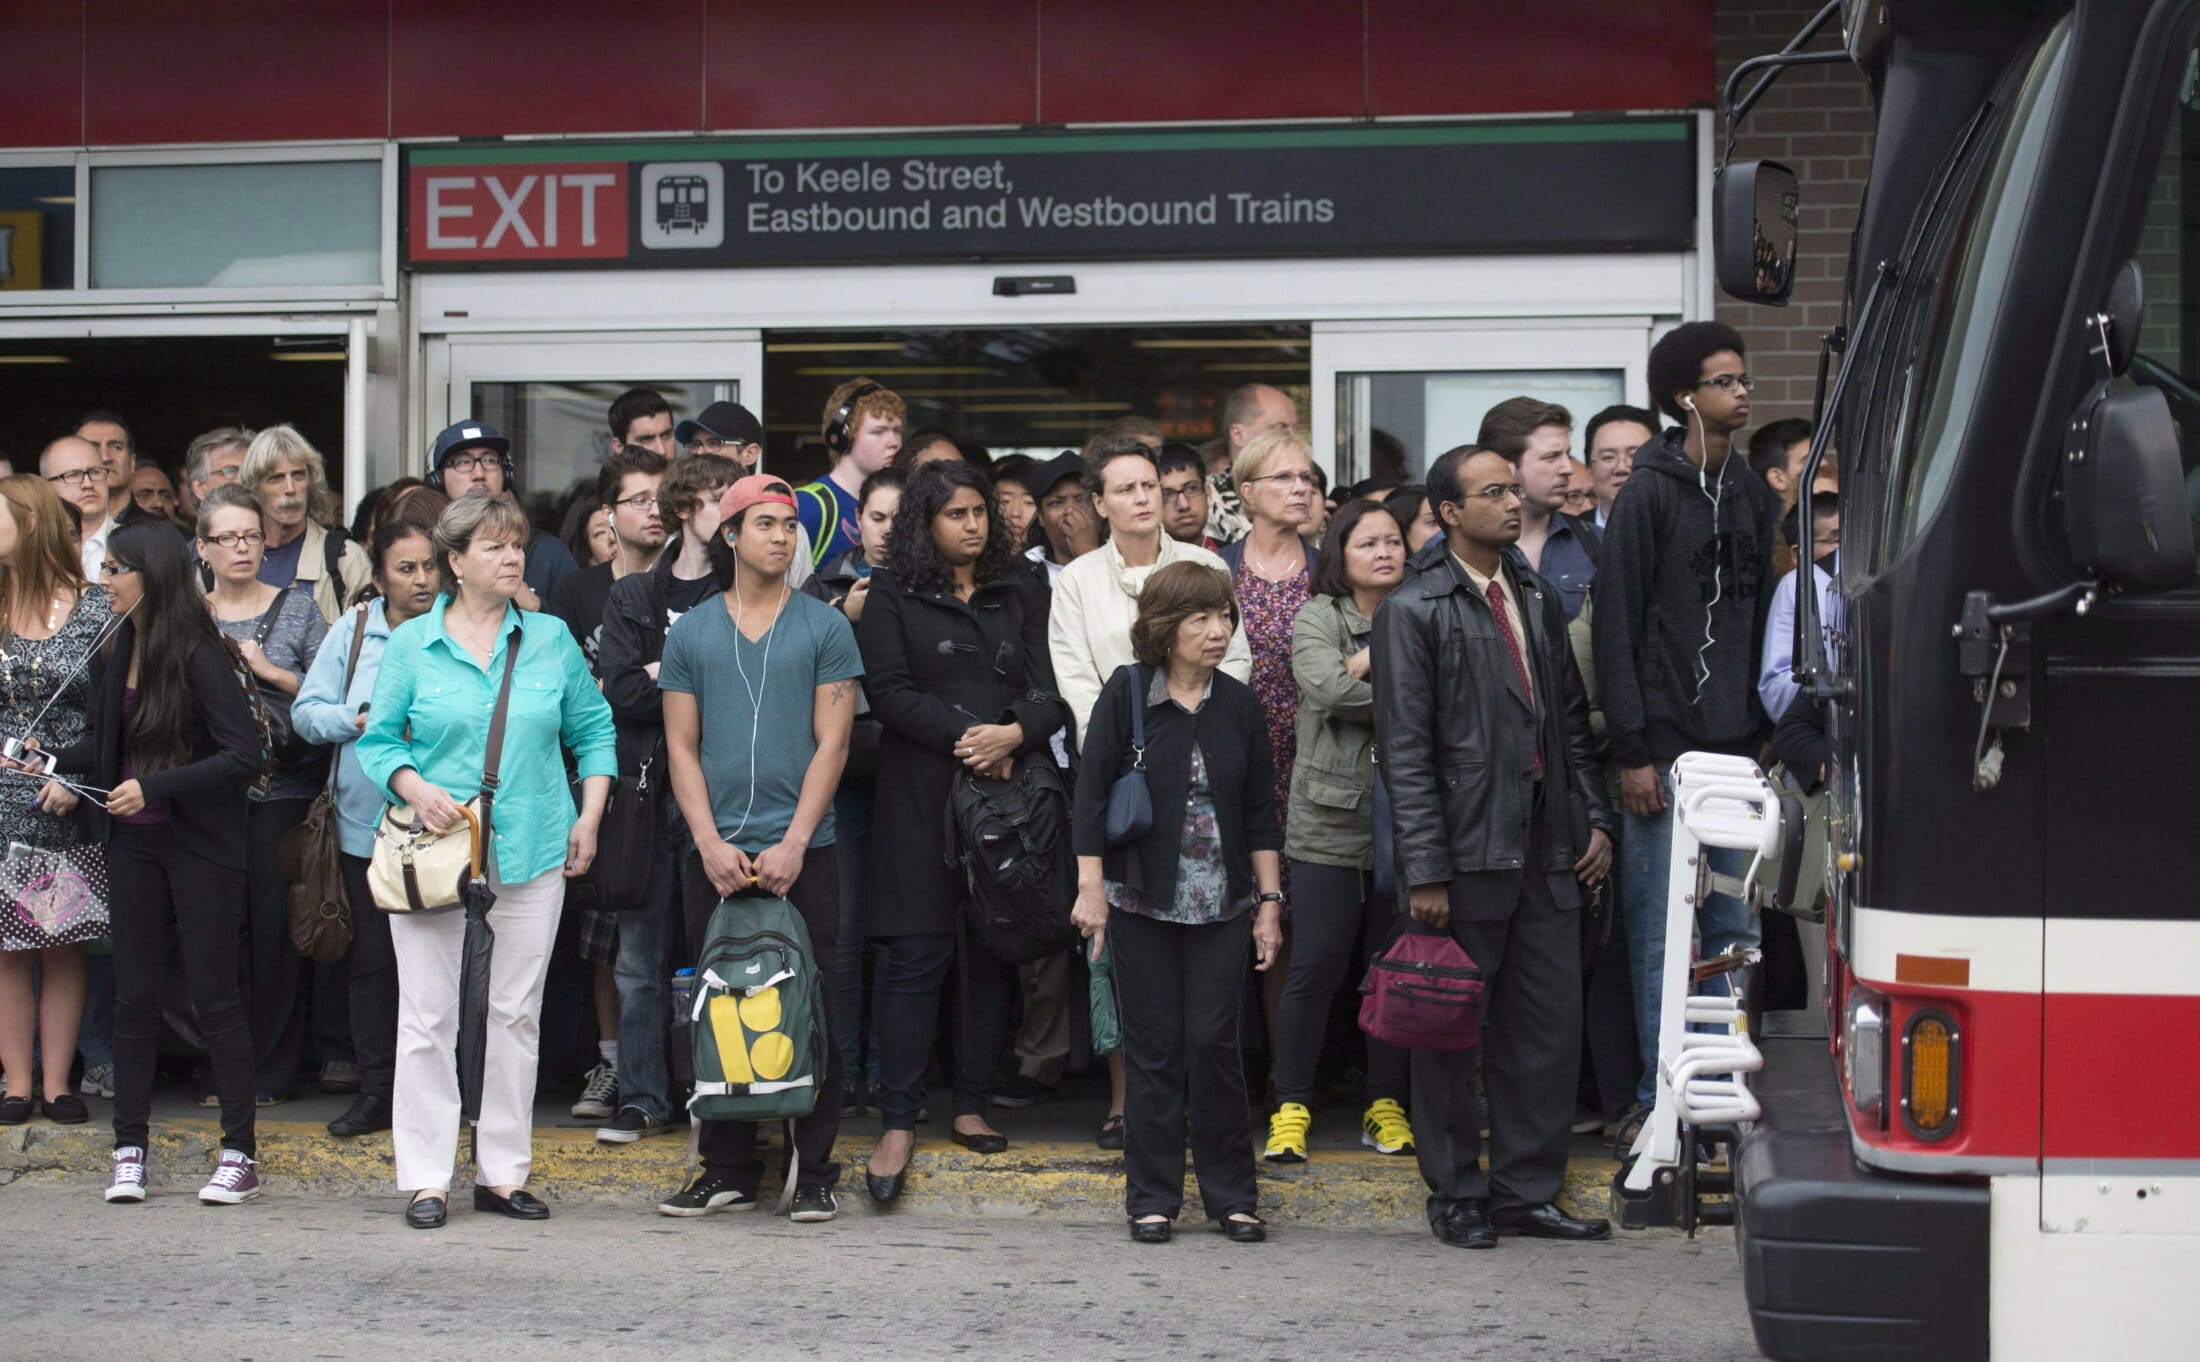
(300, 1275)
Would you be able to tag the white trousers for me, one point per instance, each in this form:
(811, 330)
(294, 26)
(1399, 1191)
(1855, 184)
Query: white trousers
(424, 1122)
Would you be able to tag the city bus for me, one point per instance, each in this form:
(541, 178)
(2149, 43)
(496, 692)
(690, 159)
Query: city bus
(1995, 1150)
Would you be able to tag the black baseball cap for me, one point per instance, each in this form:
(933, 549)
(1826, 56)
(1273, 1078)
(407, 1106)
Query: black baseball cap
(468, 434)
(729, 421)
(1040, 478)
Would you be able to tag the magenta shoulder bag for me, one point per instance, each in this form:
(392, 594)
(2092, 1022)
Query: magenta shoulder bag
(1424, 992)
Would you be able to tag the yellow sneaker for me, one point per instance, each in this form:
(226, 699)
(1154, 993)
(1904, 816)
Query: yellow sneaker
(1287, 1134)
(1386, 1130)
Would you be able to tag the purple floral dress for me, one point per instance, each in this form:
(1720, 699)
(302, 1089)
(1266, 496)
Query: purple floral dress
(1269, 609)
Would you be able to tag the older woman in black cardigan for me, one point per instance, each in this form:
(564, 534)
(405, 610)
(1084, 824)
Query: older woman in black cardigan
(1187, 905)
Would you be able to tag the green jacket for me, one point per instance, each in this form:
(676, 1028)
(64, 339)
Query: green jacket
(1333, 780)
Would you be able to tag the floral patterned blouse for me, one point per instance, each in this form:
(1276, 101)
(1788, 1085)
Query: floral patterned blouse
(1270, 609)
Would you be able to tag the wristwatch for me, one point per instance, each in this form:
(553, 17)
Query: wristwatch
(1270, 897)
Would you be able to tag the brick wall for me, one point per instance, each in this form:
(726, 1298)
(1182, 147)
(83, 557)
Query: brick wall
(1817, 120)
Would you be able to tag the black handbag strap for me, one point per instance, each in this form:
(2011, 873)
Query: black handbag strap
(343, 692)
(495, 748)
(269, 618)
(1138, 717)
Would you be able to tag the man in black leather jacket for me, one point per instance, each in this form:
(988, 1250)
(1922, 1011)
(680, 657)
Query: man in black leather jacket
(1482, 732)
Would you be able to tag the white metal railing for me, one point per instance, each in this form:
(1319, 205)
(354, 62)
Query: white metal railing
(1704, 1049)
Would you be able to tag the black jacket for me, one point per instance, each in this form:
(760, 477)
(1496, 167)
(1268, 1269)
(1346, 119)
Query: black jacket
(831, 584)
(632, 637)
(1232, 734)
(204, 798)
(1684, 580)
(934, 666)
(1446, 733)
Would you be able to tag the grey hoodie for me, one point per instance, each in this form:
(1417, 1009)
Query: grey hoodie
(1686, 556)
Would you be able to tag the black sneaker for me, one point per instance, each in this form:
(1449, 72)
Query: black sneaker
(812, 1205)
(1023, 1091)
(630, 1124)
(709, 1192)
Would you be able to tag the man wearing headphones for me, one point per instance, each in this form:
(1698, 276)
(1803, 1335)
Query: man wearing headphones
(472, 455)
(862, 433)
(1683, 581)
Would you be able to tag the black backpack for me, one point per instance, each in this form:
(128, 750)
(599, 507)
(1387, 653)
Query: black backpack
(1011, 838)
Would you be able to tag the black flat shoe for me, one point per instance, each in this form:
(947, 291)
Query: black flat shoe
(1465, 1225)
(982, 1143)
(1155, 1232)
(67, 1110)
(1254, 1231)
(884, 1188)
(14, 1111)
(520, 1205)
(1547, 1221)
(427, 1213)
(1111, 1133)
(366, 1115)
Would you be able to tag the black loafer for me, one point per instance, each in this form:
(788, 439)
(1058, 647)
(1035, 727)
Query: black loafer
(982, 1144)
(427, 1213)
(1153, 1232)
(67, 1110)
(520, 1205)
(1547, 1221)
(1466, 1224)
(14, 1111)
(366, 1115)
(1254, 1231)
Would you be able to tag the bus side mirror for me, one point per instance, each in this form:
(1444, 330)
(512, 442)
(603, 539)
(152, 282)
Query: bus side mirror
(1756, 218)
(2124, 491)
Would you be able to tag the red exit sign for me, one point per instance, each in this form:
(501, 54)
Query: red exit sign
(500, 212)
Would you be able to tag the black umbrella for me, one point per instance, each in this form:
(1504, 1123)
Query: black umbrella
(475, 898)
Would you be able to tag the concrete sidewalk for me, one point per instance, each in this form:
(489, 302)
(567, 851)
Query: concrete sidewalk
(1051, 1169)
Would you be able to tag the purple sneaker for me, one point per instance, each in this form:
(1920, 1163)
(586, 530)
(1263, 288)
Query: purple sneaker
(129, 1183)
(234, 1181)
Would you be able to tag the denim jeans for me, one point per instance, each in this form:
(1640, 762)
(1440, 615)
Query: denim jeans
(96, 1039)
(1646, 850)
(855, 954)
(644, 972)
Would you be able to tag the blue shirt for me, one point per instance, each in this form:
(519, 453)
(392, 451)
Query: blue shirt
(323, 715)
(548, 559)
(430, 683)
(1569, 563)
(756, 704)
(1776, 683)
(279, 567)
(809, 510)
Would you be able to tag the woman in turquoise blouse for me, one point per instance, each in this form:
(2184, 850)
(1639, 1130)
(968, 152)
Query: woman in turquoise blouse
(425, 742)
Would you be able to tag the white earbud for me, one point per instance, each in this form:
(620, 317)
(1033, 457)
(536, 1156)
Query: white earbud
(1689, 402)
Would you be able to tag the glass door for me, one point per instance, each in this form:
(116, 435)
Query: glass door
(1387, 399)
(551, 395)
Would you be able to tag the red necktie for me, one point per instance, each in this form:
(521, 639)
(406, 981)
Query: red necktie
(1512, 646)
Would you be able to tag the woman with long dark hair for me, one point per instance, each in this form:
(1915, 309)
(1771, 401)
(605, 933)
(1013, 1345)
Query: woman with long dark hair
(955, 664)
(172, 738)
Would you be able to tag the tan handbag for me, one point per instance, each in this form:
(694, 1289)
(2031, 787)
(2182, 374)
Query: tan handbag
(320, 910)
(414, 870)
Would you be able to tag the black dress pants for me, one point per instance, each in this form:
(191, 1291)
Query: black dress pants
(154, 880)
(1177, 988)
(1530, 1052)
(274, 972)
(912, 975)
(1333, 910)
(729, 1147)
(372, 968)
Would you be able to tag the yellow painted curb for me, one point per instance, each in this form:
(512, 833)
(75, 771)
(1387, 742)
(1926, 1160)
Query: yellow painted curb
(1060, 1179)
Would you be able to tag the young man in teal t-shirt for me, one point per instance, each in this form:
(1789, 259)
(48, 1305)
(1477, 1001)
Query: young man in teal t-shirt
(760, 696)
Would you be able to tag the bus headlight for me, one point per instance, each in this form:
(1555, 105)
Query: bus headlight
(1864, 1050)
(1931, 1066)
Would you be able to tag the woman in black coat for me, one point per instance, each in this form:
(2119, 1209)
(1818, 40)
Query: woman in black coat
(954, 641)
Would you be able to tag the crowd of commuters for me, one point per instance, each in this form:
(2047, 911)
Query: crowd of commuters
(1445, 706)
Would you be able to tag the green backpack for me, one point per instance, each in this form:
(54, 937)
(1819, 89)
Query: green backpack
(758, 1017)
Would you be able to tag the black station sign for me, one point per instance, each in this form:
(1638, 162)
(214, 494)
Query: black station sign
(1566, 185)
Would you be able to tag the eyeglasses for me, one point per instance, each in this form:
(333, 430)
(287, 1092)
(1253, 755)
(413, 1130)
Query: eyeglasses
(639, 501)
(1498, 491)
(249, 538)
(110, 568)
(1727, 383)
(1184, 494)
(77, 477)
(467, 463)
(1287, 479)
(706, 444)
